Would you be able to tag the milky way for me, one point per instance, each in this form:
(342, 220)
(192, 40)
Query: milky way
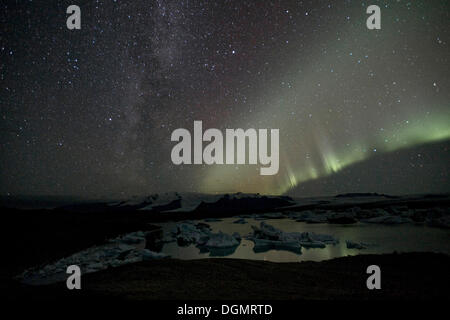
(90, 112)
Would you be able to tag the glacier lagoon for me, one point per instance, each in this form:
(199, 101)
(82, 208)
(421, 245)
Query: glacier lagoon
(378, 239)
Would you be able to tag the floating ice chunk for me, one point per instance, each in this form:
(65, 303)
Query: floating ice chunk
(150, 255)
(219, 244)
(168, 238)
(221, 240)
(139, 234)
(310, 217)
(310, 239)
(266, 231)
(388, 220)
(305, 239)
(203, 226)
(342, 218)
(320, 237)
(355, 245)
(187, 233)
(97, 266)
(122, 247)
(312, 244)
(131, 239)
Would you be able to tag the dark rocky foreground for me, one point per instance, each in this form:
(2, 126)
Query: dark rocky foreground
(409, 276)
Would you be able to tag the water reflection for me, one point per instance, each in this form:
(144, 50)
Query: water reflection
(383, 239)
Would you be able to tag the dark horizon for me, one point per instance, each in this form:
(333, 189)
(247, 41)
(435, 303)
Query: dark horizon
(434, 155)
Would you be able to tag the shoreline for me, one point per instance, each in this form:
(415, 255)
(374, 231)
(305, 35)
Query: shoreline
(405, 276)
(39, 237)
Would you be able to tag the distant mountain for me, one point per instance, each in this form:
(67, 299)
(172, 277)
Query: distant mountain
(187, 202)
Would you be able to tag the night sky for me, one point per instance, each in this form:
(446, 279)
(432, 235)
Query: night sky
(90, 112)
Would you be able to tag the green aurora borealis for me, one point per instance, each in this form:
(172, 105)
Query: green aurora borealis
(90, 112)
(356, 94)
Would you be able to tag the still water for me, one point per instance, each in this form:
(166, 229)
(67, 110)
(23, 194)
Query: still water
(381, 239)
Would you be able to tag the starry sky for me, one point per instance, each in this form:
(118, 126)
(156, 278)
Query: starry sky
(90, 112)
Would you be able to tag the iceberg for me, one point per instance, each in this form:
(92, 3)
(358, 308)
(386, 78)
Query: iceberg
(115, 253)
(219, 244)
(276, 238)
(150, 255)
(355, 245)
(266, 231)
(387, 219)
(188, 233)
(309, 217)
(312, 244)
(221, 240)
(133, 238)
